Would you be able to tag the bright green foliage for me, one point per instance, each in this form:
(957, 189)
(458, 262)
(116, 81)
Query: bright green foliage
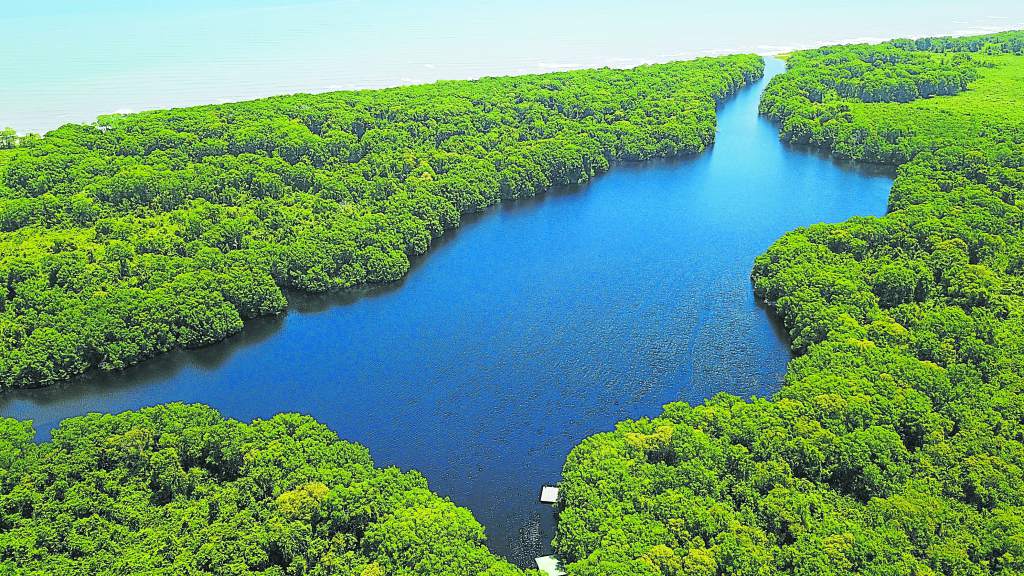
(177, 489)
(896, 445)
(143, 233)
(851, 98)
(8, 138)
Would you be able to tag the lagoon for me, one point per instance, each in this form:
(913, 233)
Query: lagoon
(534, 325)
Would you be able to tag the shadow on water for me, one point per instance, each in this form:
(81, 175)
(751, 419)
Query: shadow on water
(865, 168)
(776, 323)
(207, 358)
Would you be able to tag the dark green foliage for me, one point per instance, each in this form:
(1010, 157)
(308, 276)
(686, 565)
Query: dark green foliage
(896, 445)
(143, 233)
(178, 489)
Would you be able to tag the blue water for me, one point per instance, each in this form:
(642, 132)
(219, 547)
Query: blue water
(533, 326)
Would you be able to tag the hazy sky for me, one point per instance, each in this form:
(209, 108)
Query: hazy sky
(70, 60)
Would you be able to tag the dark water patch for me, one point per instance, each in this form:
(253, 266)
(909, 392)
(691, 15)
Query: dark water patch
(535, 325)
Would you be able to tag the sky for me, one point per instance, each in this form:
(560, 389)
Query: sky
(70, 61)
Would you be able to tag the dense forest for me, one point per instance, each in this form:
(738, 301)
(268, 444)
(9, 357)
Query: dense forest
(152, 231)
(177, 489)
(894, 448)
(896, 444)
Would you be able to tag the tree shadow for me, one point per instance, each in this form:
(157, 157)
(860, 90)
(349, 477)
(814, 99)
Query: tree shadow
(161, 367)
(857, 167)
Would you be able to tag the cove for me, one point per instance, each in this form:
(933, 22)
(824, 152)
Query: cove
(535, 325)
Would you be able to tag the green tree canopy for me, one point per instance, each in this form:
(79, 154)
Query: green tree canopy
(896, 444)
(177, 489)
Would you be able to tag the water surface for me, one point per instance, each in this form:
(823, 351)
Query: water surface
(535, 325)
(71, 60)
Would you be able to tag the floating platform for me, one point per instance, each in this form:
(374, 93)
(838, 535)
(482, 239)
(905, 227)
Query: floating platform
(550, 565)
(549, 494)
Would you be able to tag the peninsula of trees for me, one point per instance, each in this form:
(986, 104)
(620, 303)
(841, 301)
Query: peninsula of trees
(178, 489)
(153, 231)
(896, 445)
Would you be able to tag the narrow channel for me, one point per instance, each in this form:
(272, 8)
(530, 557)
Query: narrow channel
(535, 325)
